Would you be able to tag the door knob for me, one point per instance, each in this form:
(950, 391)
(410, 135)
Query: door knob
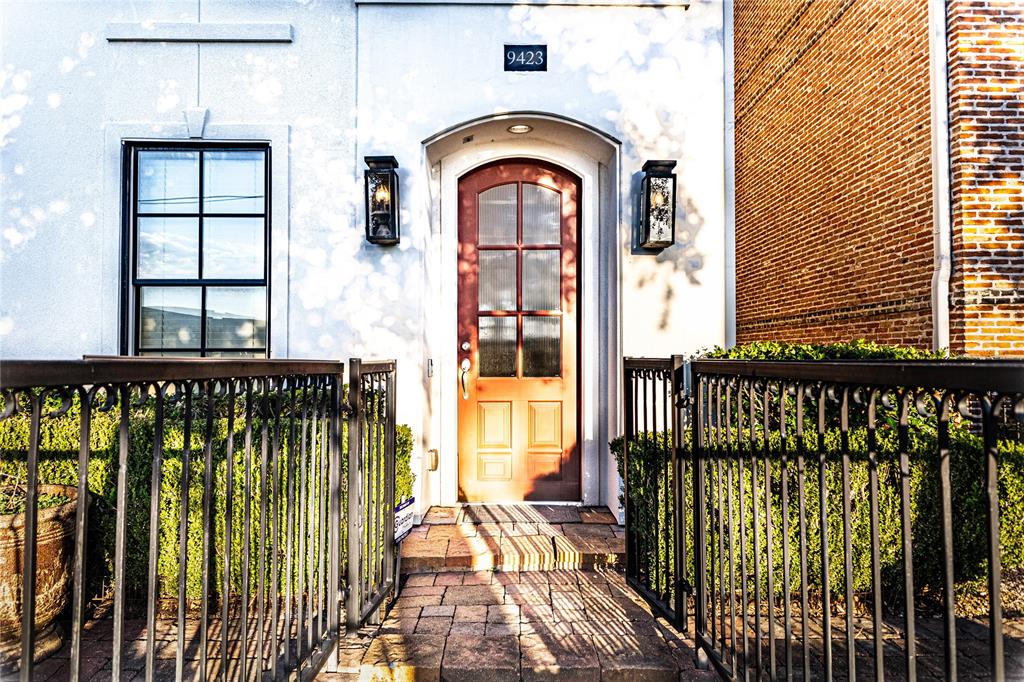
(462, 378)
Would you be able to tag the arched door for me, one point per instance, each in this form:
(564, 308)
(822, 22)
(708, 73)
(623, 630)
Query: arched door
(518, 333)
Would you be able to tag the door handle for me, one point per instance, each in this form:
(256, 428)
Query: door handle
(462, 378)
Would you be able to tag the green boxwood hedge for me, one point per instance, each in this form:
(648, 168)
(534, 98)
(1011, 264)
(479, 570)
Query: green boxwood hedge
(58, 464)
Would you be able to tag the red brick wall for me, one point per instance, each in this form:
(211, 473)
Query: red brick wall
(833, 171)
(986, 109)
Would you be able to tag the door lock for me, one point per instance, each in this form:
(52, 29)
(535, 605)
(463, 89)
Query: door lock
(465, 345)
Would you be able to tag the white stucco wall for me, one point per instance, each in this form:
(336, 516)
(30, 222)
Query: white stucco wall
(355, 81)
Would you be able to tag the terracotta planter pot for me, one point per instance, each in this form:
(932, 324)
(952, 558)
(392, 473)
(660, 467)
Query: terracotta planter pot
(54, 560)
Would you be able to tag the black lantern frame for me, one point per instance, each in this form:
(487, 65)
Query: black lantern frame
(382, 200)
(657, 224)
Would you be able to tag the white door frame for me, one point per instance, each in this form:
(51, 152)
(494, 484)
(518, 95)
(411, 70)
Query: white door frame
(594, 158)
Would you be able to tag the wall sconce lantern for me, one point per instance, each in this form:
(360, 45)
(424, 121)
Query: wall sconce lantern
(382, 226)
(658, 205)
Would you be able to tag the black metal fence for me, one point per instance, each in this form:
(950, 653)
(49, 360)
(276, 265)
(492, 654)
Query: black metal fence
(831, 519)
(221, 486)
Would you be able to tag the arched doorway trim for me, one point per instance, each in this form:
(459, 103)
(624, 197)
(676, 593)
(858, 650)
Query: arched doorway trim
(594, 157)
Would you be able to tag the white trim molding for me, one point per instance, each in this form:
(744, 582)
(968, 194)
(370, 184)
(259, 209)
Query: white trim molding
(193, 32)
(595, 159)
(941, 229)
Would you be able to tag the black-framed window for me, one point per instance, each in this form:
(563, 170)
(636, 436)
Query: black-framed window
(196, 249)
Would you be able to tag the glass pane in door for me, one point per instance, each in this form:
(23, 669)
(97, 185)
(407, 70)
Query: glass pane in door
(497, 280)
(497, 215)
(541, 280)
(497, 346)
(542, 215)
(542, 346)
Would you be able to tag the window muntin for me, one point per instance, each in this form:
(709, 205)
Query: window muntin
(199, 243)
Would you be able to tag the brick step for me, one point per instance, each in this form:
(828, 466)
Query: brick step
(511, 552)
(514, 538)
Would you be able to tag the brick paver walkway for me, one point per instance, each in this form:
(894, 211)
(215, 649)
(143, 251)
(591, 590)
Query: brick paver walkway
(509, 592)
(565, 624)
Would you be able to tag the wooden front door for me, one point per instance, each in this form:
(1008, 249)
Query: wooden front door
(518, 334)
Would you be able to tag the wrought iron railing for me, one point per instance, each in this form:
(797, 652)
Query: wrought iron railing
(824, 510)
(226, 481)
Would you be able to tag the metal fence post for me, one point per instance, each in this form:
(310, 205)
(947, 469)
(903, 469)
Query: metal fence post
(334, 485)
(699, 535)
(355, 494)
(627, 432)
(389, 478)
(677, 394)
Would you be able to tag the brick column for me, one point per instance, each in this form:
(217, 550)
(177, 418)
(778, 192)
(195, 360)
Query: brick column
(986, 113)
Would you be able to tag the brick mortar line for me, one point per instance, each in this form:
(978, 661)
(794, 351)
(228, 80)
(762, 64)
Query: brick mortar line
(795, 59)
(846, 312)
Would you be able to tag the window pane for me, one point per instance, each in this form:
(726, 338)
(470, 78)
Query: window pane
(168, 182)
(236, 317)
(233, 182)
(497, 215)
(497, 346)
(233, 248)
(542, 347)
(542, 215)
(169, 317)
(168, 248)
(541, 280)
(497, 285)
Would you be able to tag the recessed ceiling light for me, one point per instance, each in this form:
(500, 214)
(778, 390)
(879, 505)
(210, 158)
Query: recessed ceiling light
(520, 129)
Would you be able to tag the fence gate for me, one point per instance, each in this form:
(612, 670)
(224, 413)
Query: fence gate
(825, 519)
(371, 488)
(655, 478)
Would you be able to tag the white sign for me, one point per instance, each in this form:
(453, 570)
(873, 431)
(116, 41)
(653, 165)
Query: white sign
(403, 519)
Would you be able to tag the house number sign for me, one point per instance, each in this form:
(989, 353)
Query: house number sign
(526, 57)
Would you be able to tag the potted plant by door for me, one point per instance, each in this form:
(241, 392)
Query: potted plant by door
(55, 551)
